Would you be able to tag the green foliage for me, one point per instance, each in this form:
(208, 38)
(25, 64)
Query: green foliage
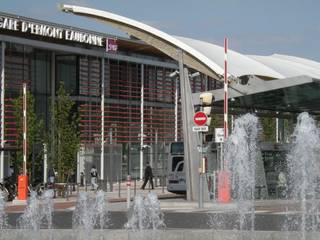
(269, 128)
(66, 139)
(35, 128)
(288, 128)
(215, 122)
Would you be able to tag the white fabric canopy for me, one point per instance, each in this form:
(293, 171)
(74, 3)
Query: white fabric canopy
(206, 56)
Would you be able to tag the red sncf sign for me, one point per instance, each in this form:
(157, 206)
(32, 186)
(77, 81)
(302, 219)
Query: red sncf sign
(200, 118)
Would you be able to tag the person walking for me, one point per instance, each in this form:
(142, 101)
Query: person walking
(281, 189)
(81, 179)
(51, 175)
(94, 176)
(147, 176)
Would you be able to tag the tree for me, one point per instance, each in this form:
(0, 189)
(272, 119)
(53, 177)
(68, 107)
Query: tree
(34, 130)
(66, 139)
(269, 128)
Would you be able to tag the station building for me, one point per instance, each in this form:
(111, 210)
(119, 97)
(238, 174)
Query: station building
(140, 97)
(129, 84)
(278, 86)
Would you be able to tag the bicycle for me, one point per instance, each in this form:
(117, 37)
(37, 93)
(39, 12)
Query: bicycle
(38, 188)
(9, 189)
(5, 192)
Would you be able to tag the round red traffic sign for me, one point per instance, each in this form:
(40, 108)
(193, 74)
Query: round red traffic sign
(200, 118)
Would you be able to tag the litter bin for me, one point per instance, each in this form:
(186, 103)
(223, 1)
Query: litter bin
(22, 187)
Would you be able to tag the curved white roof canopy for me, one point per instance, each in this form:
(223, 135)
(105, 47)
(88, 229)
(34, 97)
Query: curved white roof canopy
(195, 53)
(162, 41)
(288, 67)
(203, 56)
(238, 64)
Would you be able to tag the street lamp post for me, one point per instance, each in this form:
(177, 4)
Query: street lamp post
(142, 121)
(45, 163)
(24, 129)
(102, 124)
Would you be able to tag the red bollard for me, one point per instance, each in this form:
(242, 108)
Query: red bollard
(22, 187)
(224, 190)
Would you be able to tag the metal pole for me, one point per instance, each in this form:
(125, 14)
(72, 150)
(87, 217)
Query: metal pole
(221, 156)
(24, 129)
(78, 167)
(111, 163)
(277, 130)
(176, 111)
(3, 48)
(232, 123)
(119, 184)
(225, 108)
(45, 163)
(201, 170)
(156, 156)
(142, 123)
(214, 185)
(102, 123)
(53, 98)
(128, 191)
(128, 163)
(163, 175)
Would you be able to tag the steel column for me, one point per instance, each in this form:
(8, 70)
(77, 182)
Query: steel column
(191, 139)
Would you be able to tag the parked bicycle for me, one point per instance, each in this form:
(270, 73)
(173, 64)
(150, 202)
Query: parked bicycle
(37, 186)
(9, 189)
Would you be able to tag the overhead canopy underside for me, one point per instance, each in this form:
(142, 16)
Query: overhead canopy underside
(295, 99)
(291, 95)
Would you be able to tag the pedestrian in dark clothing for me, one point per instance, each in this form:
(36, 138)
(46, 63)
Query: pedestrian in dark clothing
(81, 179)
(52, 175)
(147, 176)
(94, 178)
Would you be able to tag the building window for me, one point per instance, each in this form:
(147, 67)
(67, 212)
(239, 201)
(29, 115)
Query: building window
(66, 72)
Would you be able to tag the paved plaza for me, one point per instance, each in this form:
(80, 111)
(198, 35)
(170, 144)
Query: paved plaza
(178, 212)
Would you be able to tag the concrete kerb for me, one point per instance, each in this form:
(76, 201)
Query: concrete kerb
(174, 234)
(194, 205)
(170, 201)
(110, 196)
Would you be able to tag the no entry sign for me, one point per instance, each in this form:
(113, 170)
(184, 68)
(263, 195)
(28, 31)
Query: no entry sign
(200, 118)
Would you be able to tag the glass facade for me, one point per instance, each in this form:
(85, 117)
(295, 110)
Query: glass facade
(45, 63)
(67, 73)
(26, 64)
(82, 77)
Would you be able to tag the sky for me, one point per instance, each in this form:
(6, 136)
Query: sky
(260, 27)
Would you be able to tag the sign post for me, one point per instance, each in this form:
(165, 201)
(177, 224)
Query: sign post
(200, 119)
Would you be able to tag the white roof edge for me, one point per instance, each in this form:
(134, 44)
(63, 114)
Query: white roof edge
(207, 61)
(144, 27)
